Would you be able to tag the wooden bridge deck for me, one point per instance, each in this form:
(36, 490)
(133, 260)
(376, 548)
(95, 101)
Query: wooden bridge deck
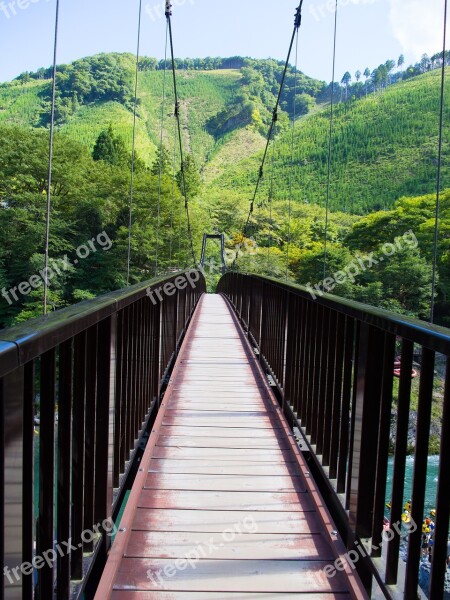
(223, 507)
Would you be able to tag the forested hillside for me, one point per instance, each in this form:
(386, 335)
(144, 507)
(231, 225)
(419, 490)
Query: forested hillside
(383, 176)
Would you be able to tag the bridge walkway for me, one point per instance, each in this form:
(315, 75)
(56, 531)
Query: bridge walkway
(223, 506)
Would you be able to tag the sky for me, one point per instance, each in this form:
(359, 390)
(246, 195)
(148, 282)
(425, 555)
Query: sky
(369, 31)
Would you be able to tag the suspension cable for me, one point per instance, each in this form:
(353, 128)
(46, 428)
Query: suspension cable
(133, 147)
(291, 173)
(172, 208)
(439, 170)
(298, 21)
(330, 147)
(163, 109)
(50, 161)
(269, 261)
(177, 116)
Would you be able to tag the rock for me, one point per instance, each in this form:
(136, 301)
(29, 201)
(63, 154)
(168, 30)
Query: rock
(424, 579)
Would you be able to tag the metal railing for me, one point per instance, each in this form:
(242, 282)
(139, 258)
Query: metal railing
(96, 371)
(333, 365)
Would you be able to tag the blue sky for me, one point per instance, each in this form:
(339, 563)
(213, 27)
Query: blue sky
(370, 31)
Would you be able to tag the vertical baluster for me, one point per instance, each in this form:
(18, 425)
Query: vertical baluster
(420, 469)
(118, 422)
(78, 446)
(401, 443)
(321, 375)
(64, 464)
(106, 368)
(125, 443)
(45, 528)
(438, 568)
(354, 390)
(28, 534)
(89, 452)
(383, 442)
(329, 376)
(337, 396)
(345, 410)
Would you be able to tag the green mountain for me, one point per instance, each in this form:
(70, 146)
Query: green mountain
(384, 148)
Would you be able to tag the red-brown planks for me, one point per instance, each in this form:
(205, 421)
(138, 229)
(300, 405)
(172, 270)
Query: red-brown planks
(224, 510)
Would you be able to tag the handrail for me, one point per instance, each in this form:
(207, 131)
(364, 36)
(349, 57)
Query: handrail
(433, 336)
(102, 364)
(332, 363)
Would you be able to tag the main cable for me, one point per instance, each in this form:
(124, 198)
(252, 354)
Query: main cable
(439, 170)
(50, 161)
(291, 173)
(330, 147)
(177, 116)
(133, 148)
(163, 109)
(298, 21)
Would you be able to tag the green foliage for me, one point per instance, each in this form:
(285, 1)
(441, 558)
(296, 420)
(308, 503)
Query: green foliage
(90, 200)
(383, 147)
(383, 156)
(163, 162)
(110, 148)
(188, 178)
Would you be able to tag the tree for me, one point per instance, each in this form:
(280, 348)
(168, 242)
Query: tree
(191, 178)
(367, 76)
(401, 61)
(390, 66)
(346, 79)
(162, 162)
(110, 148)
(358, 75)
(425, 63)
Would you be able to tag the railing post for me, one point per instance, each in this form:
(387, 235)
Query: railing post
(46, 471)
(366, 409)
(12, 490)
(420, 469)
(383, 442)
(63, 474)
(401, 445)
(78, 454)
(440, 551)
(106, 369)
(89, 436)
(28, 530)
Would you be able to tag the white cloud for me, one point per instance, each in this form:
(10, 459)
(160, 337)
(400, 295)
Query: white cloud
(417, 25)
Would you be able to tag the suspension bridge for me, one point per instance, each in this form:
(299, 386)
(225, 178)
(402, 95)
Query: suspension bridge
(216, 446)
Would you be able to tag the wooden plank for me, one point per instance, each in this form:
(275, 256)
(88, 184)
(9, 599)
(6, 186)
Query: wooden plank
(222, 421)
(212, 442)
(217, 546)
(228, 576)
(180, 430)
(219, 453)
(221, 467)
(173, 595)
(216, 521)
(233, 483)
(217, 500)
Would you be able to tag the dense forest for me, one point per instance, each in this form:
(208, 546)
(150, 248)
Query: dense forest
(383, 177)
